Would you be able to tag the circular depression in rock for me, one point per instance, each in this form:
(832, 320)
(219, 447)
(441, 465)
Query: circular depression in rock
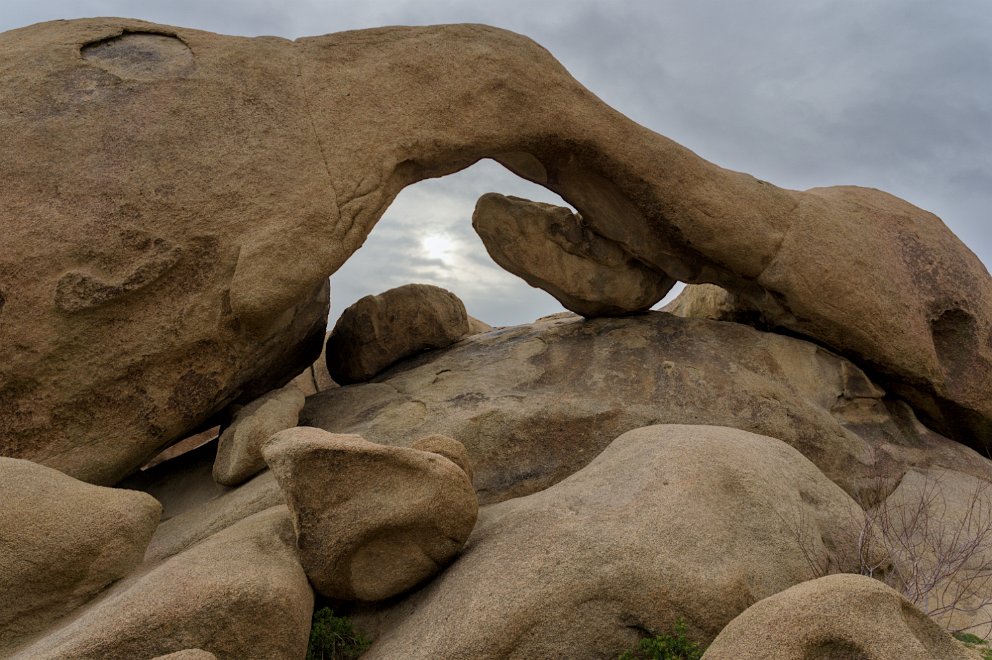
(140, 55)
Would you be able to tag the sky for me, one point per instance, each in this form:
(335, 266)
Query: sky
(891, 94)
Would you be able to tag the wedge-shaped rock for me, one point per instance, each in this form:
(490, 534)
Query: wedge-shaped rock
(239, 449)
(62, 541)
(837, 616)
(239, 594)
(371, 521)
(551, 248)
(379, 330)
(669, 522)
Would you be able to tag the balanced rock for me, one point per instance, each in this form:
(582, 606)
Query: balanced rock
(837, 616)
(239, 449)
(62, 542)
(371, 521)
(551, 248)
(533, 404)
(669, 522)
(238, 594)
(378, 330)
(211, 294)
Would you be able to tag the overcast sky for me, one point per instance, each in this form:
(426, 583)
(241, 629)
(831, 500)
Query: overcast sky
(893, 94)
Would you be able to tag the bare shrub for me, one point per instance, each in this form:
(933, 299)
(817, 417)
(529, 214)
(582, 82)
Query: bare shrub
(940, 543)
(929, 540)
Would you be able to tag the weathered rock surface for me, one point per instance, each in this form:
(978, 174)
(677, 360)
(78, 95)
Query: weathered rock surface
(379, 330)
(837, 616)
(551, 248)
(694, 522)
(533, 404)
(61, 542)
(370, 521)
(239, 449)
(210, 294)
(239, 594)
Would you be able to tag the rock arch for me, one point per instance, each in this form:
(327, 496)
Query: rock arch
(267, 162)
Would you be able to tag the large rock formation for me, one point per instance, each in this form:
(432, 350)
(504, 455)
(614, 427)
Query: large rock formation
(61, 542)
(838, 616)
(552, 249)
(533, 404)
(177, 199)
(669, 522)
(379, 330)
(371, 521)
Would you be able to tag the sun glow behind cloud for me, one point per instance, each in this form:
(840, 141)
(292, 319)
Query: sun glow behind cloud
(440, 247)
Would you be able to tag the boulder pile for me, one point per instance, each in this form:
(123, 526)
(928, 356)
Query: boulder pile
(191, 465)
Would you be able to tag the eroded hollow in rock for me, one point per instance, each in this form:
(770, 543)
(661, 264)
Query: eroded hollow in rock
(954, 333)
(140, 55)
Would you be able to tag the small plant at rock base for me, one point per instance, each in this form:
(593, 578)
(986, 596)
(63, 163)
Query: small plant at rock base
(666, 647)
(975, 643)
(333, 638)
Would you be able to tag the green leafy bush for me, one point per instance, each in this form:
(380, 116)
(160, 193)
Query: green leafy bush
(666, 647)
(333, 638)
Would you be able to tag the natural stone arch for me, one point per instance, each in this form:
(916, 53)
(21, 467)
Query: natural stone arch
(265, 163)
(804, 259)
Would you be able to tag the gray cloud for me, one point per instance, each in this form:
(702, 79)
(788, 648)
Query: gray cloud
(892, 94)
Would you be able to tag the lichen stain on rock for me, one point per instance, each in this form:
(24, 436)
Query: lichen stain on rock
(141, 55)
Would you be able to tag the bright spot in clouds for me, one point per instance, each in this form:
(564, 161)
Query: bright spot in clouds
(438, 246)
